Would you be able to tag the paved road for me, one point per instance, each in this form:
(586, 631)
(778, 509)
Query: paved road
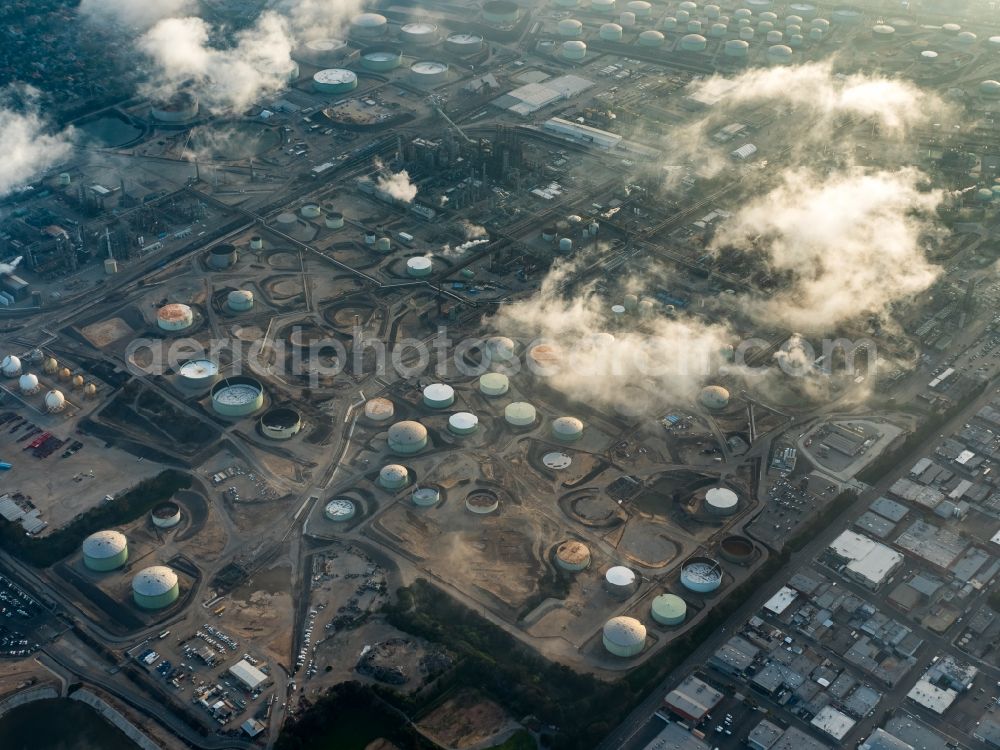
(621, 737)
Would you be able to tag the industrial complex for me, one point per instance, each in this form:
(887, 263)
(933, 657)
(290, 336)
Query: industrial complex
(592, 374)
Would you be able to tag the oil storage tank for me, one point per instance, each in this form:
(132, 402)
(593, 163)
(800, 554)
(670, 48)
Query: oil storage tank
(694, 43)
(334, 81)
(240, 300)
(198, 374)
(429, 72)
(624, 636)
(573, 556)
(610, 32)
(369, 25)
(574, 50)
(381, 59)
(340, 510)
(668, 609)
(721, 501)
(501, 12)
(439, 396)
(222, 256)
(519, 414)
(174, 317)
(463, 44)
(393, 477)
(703, 575)
(418, 34)
(237, 396)
(407, 437)
(620, 582)
(105, 550)
(155, 587)
(494, 384)
(282, 423)
(379, 409)
(567, 429)
(322, 53)
(166, 515)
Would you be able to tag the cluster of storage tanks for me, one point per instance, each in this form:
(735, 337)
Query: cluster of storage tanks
(28, 383)
(154, 587)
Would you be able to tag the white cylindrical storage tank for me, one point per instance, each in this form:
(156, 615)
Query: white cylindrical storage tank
(721, 501)
(805, 11)
(340, 509)
(668, 609)
(611, 32)
(174, 317)
(847, 16)
(379, 409)
(282, 423)
(795, 41)
(966, 39)
(425, 497)
(746, 34)
(240, 300)
(429, 72)
(393, 477)
(105, 550)
(682, 17)
(494, 384)
(198, 374)
(816, 34)
(641, 8)
(775, 37)
(994, 42)
(334, 220)
(573, 556)
(256, 242)
(758, 5)
(627, 20)
(463, 44)
(694, 43)
(565, 245)
(419, 34)
(166, 515)
(768, 17)
(620, 581)
(717, 31)
(54, 401)
(624, 637)
(383, 244)
(322, 53)
(574, 50)
(793, 20)
(990, 88)
(602, 6)
(793, 29)
(520, 414)
(463, 423)
(669, 24)
(482, 502)
(883, 32)
(694, 27)
(155, 587)
(712, 12)
(765, 27)
(570, 27)
(928, 56)
(419, 267)
(779, 54)
(28, 384)
(742, 13)
(951, 29)
(407, 437)
(702, 575)
(222, 256)
(714, 397)
(687, 5)
(736, 48)
(334, 81)
(820, 23)
(369, 25)
(567, 429)
(439, 396)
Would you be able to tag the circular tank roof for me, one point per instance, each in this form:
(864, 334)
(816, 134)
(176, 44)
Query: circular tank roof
(421, 263)
(174, 313)
(721, 497)
(381, 55)
(428, 68)
(418, 28)
(339, 507)
(625, 631)
(567, 425)
(407, 433)
(325, 45)
(393, 473)
(379, 409)
(333, 76)
(574, 45)
(102, 544)
(281, 418)
(557, 460)
(236, 393)
(463, 421)
(573, 552)
(153, 581)
(369, 20)
(199, 368)
(471, 39)
(619, 575)
(669, 606)
(438, 392)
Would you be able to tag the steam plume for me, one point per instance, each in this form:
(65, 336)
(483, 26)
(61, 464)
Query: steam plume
(26, 142)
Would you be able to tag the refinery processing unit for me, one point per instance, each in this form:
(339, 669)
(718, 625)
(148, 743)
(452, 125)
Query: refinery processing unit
(570, 374)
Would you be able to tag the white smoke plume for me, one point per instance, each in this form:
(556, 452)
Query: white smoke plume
(316, 19)
(259, 62)
(28, 145)
(395, 184)
(851, 243)
(642, 365)
(134, 13)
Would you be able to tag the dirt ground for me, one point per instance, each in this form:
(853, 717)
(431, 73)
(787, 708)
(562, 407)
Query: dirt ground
(465, 720)
(19, 674)
(261, 610)
(105, 332)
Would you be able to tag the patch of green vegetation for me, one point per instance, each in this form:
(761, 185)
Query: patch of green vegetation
(125, 508)
(520, 740)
